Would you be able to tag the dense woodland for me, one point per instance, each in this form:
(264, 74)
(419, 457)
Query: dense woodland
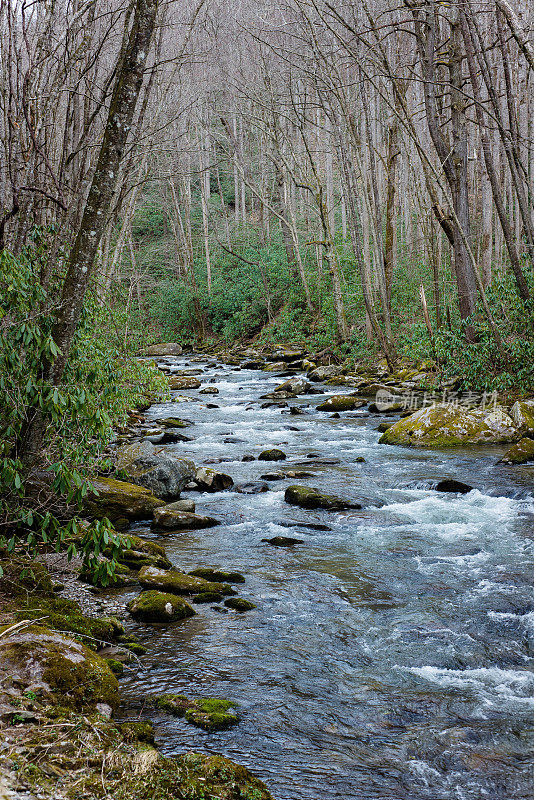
(353, 175)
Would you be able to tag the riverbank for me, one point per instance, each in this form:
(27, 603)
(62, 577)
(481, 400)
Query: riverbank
(223, 427)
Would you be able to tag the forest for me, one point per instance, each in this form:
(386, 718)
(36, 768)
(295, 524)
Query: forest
(280, 198)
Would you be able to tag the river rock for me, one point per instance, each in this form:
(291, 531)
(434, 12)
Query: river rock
(142, 553)
(283, 541)
(323, 373)
(173, 422)
(174, 519)
(158, 470)
(294, 386)
(118, 499)
(252, 487)
(63, 669)
(273, 476)
(164, 349)
(217, 575)
(239, 604)
(445, 425)
(522, 414)
(209, 390)
(520, 453)
(176, 582)
(341, 402)
(274, 454)
(451, 485)
(209, 480)
(154, 606)
(180, 383)
(309, 497)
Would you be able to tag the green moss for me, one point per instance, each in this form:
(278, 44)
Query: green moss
(239, 604)
(138, 732)
(216, 575)
(210, 722)
(154, 606)
(207, 597)
(65, 615)
(213, 705)
(175, 704)
(117, 667)
(21, 576)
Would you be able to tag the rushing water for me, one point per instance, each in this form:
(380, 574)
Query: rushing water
(390, 656)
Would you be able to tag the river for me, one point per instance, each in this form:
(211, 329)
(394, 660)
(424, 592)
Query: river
(390, 656)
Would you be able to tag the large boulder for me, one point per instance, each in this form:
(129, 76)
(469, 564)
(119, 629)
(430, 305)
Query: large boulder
(522, 414)
(60, 667)
(309, 497)
(182, 382)
(157, 470)
(209, 480)
(323, 373)
(118, 499)
(169, 518)
(341, 402)
(164, 349)
(154, 606)
(176, 582)
(520, 453)
(294, 386)
(445, 425)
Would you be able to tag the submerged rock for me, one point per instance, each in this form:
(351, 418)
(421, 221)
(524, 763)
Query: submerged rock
(447, 426)
(341, 402)
(450, 485)
(309, 497)
(520, 453)
(239, 604)
(274, 454)
(154, 606)
(208, 713)
(169, 518)
(119, 499)
(157, 470)
(252, 487)
(283, 541)
(177, 582)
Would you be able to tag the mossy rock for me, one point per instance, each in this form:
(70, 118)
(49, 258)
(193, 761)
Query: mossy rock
(169, 518)
(177, 582)
(121, 576)
(22, 577)
(118, 499)
(65, 615)
(445, 425)
(215, 721)
(175, 704)
(522, 414)
(117, 667)
(193, 776)
(309, 497)
(183, 382)
(207, 597)
(274, 454)
(218, 576)
(520, 453)
(138, 732)
(239, 604)
(64, 668)
(154, 606)
(341, 402)
(142, 553)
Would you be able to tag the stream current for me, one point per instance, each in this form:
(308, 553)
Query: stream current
(390, 656)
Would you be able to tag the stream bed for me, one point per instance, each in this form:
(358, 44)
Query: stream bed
(390, 655)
